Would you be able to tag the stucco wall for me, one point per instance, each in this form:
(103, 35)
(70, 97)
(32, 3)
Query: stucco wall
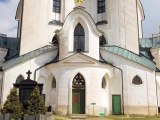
(10, 75)
(138, 99)
(158, 87)
(121, 30)
(64, 71)
(36, 31)
(94, 93)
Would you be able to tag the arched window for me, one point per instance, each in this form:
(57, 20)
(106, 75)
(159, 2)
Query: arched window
(79, 38)
(57, 6)
(102, 40)
(101, 6)
(55, 40)
(78, 81)
(137, 80)
(103, 83)
(19, 78)
(54, 82)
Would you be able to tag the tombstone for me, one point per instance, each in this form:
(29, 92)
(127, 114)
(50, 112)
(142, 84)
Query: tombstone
(31, 117)
(1, 117)
(25, 89)
(25, 117)
(6, 116)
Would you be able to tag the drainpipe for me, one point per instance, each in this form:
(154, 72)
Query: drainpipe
(156, 92)
(37, 70)
(122, 81)
(2, 73)
(43, 66)
(147, 94)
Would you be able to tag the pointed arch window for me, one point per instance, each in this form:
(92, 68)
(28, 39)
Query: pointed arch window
(78, 81)
(54, 82)
(103, 83)
(137, 80)
(101, 6)
(79, 38)
(102, 40)
(57, 6)
(55, 40)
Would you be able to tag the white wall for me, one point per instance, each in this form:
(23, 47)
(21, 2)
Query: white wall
(36, 31)
(121, 30)
(10, 75)
(156, 54)
(140, 99)
(141, 17)
(66, 34)
(3, 53)
(93, 72)
(158, 87)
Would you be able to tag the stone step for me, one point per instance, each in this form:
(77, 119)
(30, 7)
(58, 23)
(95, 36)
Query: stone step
(78, 116)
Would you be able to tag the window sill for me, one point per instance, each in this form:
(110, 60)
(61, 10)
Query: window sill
(102, 22)
(55, 22)
(78, 52)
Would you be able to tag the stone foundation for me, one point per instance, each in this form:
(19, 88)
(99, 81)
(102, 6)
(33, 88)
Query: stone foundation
(62, 110)
(140, 110)
(128, 110)
(96, 111)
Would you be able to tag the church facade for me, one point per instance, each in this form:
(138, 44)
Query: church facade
(88, 54)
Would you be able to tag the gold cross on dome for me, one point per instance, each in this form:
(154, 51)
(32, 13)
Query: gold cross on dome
(79, 1)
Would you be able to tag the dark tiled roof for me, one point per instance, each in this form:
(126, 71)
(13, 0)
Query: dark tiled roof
(12, 44)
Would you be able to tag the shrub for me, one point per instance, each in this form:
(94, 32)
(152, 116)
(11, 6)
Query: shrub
(36, 103)
(12, 104)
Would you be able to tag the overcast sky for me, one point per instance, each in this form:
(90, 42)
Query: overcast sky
(8, 25)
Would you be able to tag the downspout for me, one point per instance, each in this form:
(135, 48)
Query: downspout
(122, 81)
(1, 86)
(44, 65)
(156, 92)
(147, 94)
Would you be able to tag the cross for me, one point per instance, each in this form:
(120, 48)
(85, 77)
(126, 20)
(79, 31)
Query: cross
(28, 73)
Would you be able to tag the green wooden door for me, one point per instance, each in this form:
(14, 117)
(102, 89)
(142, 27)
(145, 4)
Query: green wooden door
(116, 104)
(78, 101)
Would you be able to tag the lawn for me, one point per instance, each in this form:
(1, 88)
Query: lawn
(122, 117)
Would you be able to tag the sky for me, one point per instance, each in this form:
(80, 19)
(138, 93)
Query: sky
(8, 24)
(151, 24)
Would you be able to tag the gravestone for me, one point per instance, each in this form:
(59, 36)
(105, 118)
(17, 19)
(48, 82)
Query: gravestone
(6, 116)
(25, 89)
(1, 117)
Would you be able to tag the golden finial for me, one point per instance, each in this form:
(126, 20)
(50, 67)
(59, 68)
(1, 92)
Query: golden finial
(79, 1)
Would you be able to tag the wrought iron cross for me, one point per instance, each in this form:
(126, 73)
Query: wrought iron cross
(28, 73)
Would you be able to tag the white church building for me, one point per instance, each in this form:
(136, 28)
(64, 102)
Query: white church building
(90, 56)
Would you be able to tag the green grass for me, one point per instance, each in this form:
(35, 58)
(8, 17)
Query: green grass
(114, 117)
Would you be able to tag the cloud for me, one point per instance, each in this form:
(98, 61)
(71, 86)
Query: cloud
(8, 24)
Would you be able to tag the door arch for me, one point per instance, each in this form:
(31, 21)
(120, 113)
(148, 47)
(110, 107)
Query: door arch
(78, 95)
